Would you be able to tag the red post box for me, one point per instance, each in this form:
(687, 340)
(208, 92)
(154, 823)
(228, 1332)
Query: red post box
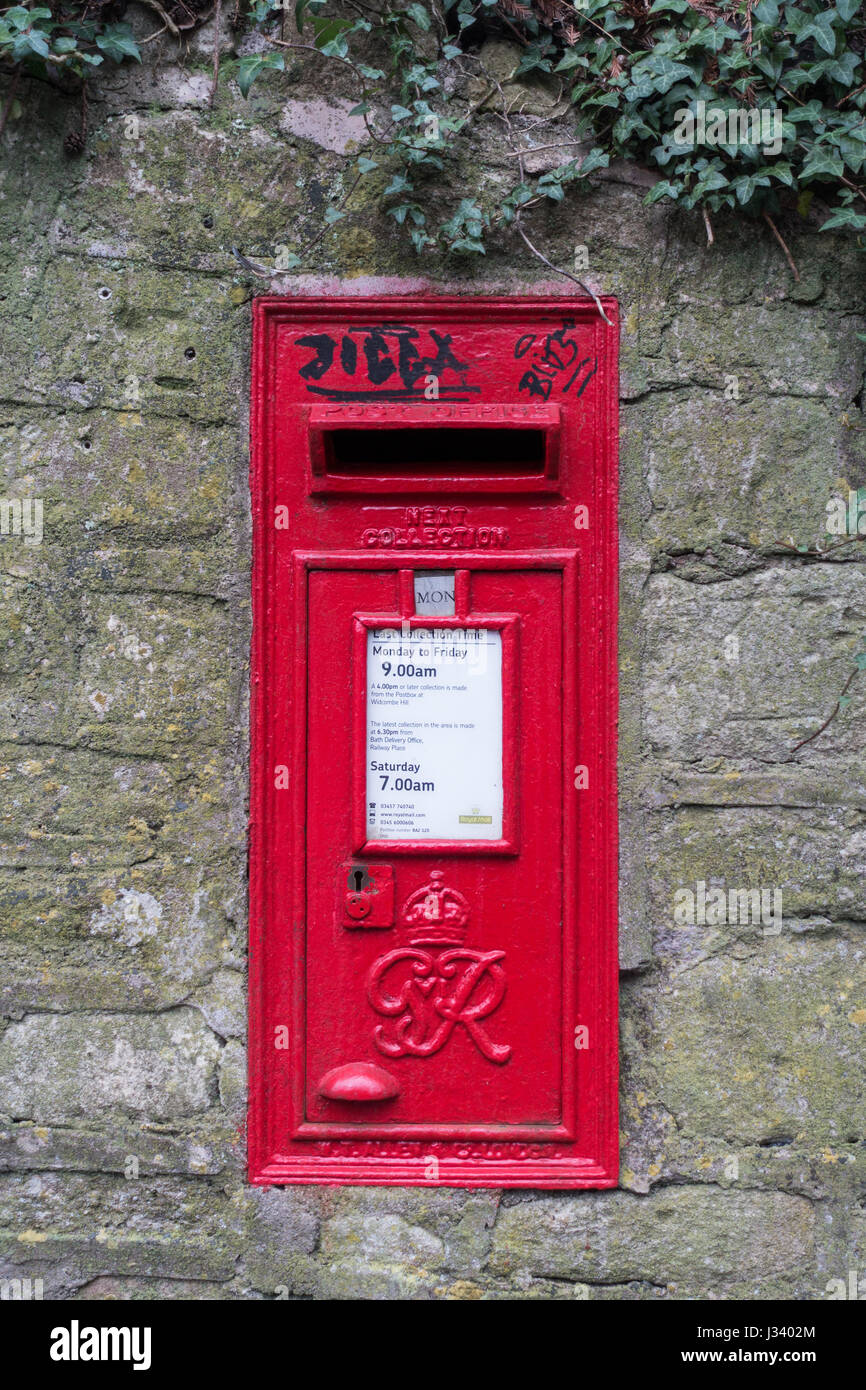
(433, 821)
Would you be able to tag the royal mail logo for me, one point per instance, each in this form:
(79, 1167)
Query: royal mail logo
(428, 995)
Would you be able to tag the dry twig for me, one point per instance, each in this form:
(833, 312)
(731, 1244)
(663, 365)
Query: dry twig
(778, 235)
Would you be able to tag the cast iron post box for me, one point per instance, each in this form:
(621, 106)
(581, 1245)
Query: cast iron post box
(433, 822)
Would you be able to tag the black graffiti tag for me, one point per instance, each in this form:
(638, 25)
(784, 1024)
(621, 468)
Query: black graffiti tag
(554, 359)
(384, 355)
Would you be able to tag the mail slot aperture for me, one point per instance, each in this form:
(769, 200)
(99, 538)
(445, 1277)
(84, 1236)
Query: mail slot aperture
(433, 820)
(417, 449)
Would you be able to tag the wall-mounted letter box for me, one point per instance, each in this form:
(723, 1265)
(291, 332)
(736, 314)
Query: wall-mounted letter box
(433, 823)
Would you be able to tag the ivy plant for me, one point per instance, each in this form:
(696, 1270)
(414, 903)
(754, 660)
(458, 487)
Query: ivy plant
(751, 107)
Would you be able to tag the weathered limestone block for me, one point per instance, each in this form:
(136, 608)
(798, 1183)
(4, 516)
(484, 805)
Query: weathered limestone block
(109, 1144)
(152, 673)
(169, 184)
(782, 349)
(125, 478)
(406, 1243)
(380, 1255)
(795, 633)
(281, 1234)
(77, 1228)
(705, 1242)
(124, 339)
(760, 1048)
(755, 471)
(138, 938)
(816, 859)
(61, 1067)
(64, 808)
(222, 1003)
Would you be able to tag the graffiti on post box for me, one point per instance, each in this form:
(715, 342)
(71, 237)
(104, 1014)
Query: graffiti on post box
(429, 994)
(554, 360)
(380, 356)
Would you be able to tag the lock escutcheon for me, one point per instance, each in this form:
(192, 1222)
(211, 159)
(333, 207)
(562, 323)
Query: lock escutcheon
(365, 895)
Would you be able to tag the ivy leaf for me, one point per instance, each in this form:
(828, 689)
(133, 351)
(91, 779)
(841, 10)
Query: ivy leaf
(770, 64)
(860, 660)
(823, 159)
(333, 215)
(249, 68)
(553, 190)
(596, 159)
(19, 18)
(711, 180)
(637, 90)
(845, 217)
(846, 9)
(252, 64)
(331, 36)
(469, 244)
(301, 8)
(607, 99)
(663, 189)
(668, 72)
(33, 41)
(853, 151)
(745, 186)
(366, 165)
(843, 68)
(117, 41)
(400, 113)
(572, 59)
(420, 16)
(820, 28)
(657, 73)
(398, 184)
(781, 170)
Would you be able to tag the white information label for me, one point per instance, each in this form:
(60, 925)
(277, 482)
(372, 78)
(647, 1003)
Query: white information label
(434, 734)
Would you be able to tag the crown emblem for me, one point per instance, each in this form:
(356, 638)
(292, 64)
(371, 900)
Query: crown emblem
(435, 915)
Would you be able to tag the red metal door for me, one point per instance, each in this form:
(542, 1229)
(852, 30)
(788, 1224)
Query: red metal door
(433, 818)
(459, 997)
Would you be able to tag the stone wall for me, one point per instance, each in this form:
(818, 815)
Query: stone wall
(123, 733)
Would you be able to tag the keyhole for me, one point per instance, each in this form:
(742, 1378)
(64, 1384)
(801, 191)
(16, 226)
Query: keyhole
(358, 876)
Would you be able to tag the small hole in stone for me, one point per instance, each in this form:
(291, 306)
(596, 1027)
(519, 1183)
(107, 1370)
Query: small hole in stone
(86, 444)
(105, 292)
(189, 354)
(207, 221)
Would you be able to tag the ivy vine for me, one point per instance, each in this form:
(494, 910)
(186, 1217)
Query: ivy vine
(755, 106)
